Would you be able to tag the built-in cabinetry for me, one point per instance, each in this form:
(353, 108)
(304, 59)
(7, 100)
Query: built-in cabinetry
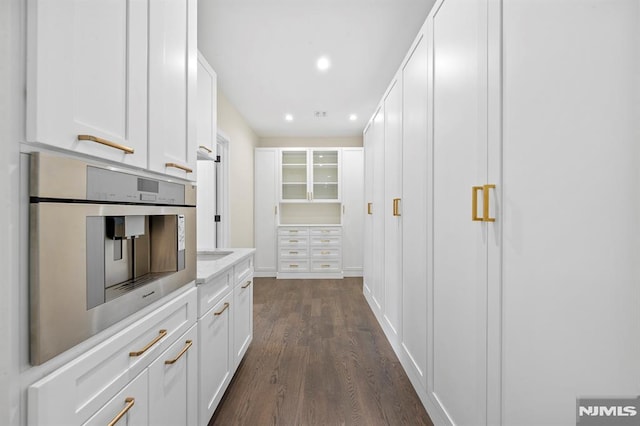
(304, 193)
(147, 372)
(125, 88)
(505, 257)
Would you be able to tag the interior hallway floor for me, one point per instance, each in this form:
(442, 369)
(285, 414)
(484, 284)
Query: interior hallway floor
(318, 357)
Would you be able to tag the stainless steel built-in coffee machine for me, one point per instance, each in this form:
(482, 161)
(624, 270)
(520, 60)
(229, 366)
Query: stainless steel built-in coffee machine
(104, 242)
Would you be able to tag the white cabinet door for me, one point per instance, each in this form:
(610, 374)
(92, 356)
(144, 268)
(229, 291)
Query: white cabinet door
(242, 318)
(173, 87)
(377, 139)
(173, 383)
(368, 272)
(391, 208)
(294, 175)
(216, 356)
(130, 406)
(87, 75)
(325, 175)
(310, 175)
(459, 302)
(353, 211)
(266, 210)
(207, 108)
(415, 181)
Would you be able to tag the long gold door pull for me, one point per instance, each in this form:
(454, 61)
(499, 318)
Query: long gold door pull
(161, 334)
(369, 210)
(485, 205)
(396, 206)
(474, 203)
(187, 345)
(179, 166)
(126, 149)
(226, 306)
(130, 402)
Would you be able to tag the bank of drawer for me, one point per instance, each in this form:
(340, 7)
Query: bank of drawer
(243, 269)
(300, 231)
(294, 266)
(210, 293)
(326, 241)
(326, 232)
(326, 265)
(294, 253)
(293, 241)
(92, 379)
(326, 253)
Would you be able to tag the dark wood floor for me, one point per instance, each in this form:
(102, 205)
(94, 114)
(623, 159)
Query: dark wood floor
(318, 357)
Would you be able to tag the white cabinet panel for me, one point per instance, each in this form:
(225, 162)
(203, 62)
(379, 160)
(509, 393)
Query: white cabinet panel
(87, 75)
(353, 211)
(242, 318)
(207, 108)
(377, 146)
(266, 210)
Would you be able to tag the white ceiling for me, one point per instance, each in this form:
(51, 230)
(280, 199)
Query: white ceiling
(265, 53)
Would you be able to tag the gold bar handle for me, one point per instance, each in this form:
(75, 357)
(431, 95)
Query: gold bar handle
(161, 334)
(325, 266)
(126, 149)
(369, 205)
(206, 149)
(293, 252)
(293, 266)
(247, 284)
(485, 205)
(129, 403)
(396, 206)
(179, 166)
(187, 345)
(293, 231)
(226, 306)
(325, 252)
(474, 203)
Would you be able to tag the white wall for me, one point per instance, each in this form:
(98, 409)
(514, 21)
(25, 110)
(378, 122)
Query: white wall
(243, 140)
(310, 142)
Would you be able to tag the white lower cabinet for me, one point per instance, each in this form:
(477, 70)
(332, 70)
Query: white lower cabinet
(130, 406)
(242, 317)
(310, 252)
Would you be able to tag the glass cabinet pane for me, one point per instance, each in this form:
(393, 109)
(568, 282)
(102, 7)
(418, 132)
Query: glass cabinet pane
(325, 175)
(294, 175)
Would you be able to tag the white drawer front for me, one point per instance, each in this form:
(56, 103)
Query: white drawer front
(326, 265)
(210, 293)
(243, 269)
(293, 231)
(326, 253)
(336, 230)
(293, 241)
(335, 241)
(294, 266)
(293, 253)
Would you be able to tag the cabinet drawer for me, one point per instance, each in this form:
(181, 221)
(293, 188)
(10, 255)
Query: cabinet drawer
(243, 269)
(326, 252)
(293, 231)
(335, 241)
(294, 266)
(134, 396)
(293, 241)
(326, 265)
(92, 379)
(293, 253)
(335, 230)
(212, 291)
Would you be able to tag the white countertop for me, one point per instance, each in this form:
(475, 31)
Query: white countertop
(209, 268)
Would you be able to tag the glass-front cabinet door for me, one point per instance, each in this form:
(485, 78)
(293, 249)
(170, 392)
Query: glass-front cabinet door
(294, 175)
(325, 175)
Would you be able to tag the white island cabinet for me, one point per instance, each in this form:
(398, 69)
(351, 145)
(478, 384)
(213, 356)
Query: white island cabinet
(146, 372)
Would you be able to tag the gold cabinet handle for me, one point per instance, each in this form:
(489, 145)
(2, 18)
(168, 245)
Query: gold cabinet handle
(187, 345)
(325, 252)
(247, 284)
(206, 149)
(179, 166)
(293, 252)
(325, 266)
(325, 241)
(293, 241)
(369, 205)
(293, 231)
(161, 334)
(485, 205)
(396, 206)
(293, 266)
(226, 306)
(126, 149)
(474, 203)
(129, 403)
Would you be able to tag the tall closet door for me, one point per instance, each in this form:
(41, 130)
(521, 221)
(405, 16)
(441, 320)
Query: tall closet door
(353, 213)
(416, 170)
(377, 140)
(459, 302)
(266, 211)
(368, 219)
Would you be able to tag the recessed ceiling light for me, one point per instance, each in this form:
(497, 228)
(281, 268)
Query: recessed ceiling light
(323, 63)
(353, 117)
(288, 117)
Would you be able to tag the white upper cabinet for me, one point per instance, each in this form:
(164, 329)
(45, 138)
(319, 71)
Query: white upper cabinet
(173, 67)
(207, 109)
(310, 175)
(87, 77)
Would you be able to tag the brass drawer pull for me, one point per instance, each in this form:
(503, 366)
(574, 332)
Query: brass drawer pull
(206, 149)
(187, 345)
(226, 305)
(129, 401)
(396, 207)
(325, 252)
(161, 334)
(325, 266)
(179, 166)
(293, 266)
(325, 241)
(369, 208)
(293, 231)
(293, 252)
(293, 241)
(102, 141)
(247, 284)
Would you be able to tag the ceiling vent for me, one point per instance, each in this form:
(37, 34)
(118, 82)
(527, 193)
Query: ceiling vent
(320, 114)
